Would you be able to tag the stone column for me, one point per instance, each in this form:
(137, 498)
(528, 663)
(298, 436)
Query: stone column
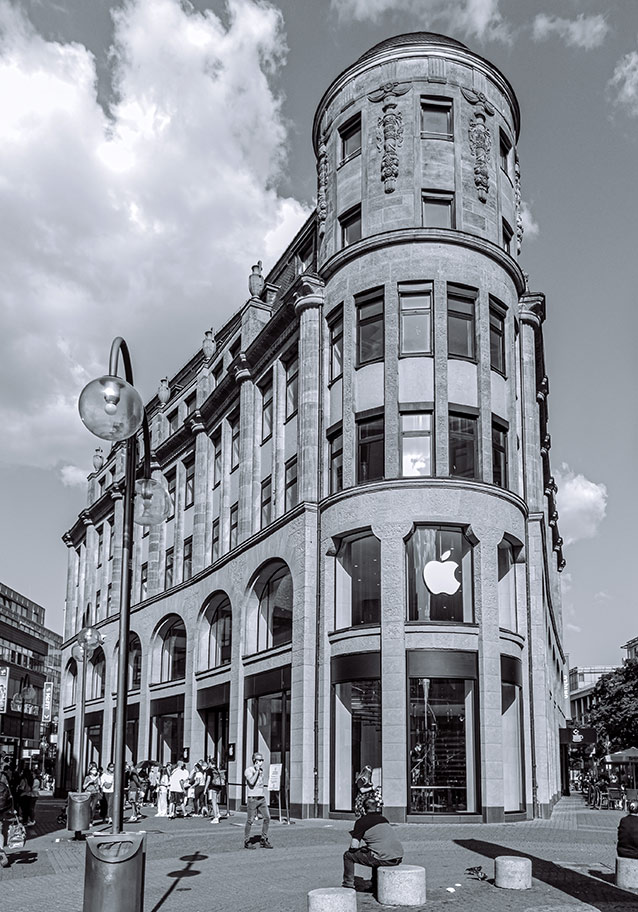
(308, 304)
(202, 445)
(116, 576)
(87, 591)
(71, 569)
(155, 536)
(532, 311)
(278, 461)
(441, 435)
(246, 447)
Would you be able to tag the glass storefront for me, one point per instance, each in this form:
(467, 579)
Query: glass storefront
(512, 729)
(357, 737)
(216, 735)
(167, 736)
(267, 723)
(439, 575)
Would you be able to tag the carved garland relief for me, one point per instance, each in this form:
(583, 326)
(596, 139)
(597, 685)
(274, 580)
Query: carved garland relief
(480, 139)
(517, 200)
(322, 179)
(389, 131)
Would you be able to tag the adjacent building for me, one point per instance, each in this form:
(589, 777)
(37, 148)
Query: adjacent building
(362, 563)
(29, 680)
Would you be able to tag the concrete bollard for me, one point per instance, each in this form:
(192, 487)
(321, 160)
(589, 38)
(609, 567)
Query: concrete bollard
(402, 885)
(512, 872)
(332, 899)
(627, 873)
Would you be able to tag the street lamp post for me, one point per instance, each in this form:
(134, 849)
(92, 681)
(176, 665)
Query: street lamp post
(112, 409)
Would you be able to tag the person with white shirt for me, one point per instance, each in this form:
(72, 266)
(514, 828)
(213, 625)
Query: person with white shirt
(179, 777)
(256, 801)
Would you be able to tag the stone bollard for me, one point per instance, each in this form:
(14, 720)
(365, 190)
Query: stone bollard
(332, 899)
(627, 873)
(402, 885)
(512, 872)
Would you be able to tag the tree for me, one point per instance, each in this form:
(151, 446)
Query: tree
(614, 713)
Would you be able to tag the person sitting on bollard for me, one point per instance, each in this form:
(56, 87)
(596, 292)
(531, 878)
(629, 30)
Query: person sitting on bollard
(373, 843)
(628, 833)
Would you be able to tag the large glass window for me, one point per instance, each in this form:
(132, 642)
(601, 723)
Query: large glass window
(370, 444)
(266, 411)
(336, 462)
(357, 737)
(497, 340)
(97, 675)
(439, 575)
(336, 349)
(358, 581)
(187, 562)
(369, 326)
(169, 567)
(292, 386)
(507, 616)
(234, 442)
(268, 731)
(511, 718)
(461, 341)
(173, 651)
(442, 746)
(291, 488)
(134, 662)
(415, 301)
(463, 445)
(266, 501)
(219, 617)
(416, 444)
(274, 616)
(499, 455)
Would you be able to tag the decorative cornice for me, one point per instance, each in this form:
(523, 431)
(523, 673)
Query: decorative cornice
(425, 236)
(86, 518)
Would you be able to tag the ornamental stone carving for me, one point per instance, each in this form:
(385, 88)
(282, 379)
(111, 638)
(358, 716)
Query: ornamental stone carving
(256, 280)
(389, 131)
(480, 140)
(517, 200)
(322, 180)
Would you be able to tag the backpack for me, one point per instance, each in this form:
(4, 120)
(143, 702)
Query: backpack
(6, 799)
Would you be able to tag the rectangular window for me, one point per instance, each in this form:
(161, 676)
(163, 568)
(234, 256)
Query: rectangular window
(218, 370)
(266, 411)
(336, 349)
(292, 386)
(109, 599)
(187, 562)
(98, 604)
(234, 442)
(171, 480)
(100, 545)
(144, 582)
(189, 484)
(217, 459)
(336, 462)
(504, 149)
(215, 541)
(415, 302)
(438, 209)
(306, 257)
(350, 135)
(370, 443)
(369, 308)
(416, 444)
(266, 501)
(499, 455)
(234, 522)
(168, 568)
(190, 403)
(350, 226)
(497, 340)
(111, 527)
(291, 489)
(436, 118)
(507, 237)
(461, 335)
(463, 443)
(173, 421)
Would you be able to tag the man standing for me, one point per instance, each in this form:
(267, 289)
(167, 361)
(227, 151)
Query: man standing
(373, 843)
(256, 801)
(176, 788)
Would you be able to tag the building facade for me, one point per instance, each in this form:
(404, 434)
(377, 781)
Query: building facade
(30, 656)
(362, 564)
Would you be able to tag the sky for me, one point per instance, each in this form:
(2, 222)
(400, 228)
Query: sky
(152, 150)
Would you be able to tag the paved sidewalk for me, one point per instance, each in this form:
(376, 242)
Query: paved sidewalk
(195, 866)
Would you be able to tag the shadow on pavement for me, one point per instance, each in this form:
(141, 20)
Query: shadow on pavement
(597, 892)
(186, 871)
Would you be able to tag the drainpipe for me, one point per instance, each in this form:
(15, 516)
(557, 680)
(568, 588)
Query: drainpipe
(318, 575)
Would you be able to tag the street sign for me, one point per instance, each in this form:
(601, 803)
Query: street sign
(577, 735)
(30, 709)
(4, 687)
(274, 777)
(47, 701)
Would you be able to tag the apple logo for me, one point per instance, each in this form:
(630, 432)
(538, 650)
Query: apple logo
(440, 576)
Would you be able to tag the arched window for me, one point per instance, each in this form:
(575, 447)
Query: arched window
(134, 662)
(173, 652)
(358, 581)
(217, 633)
(96, 673)
(274, 615)
(71, 683)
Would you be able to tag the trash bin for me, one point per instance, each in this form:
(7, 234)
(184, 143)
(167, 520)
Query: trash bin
(78, 811)
(114, 872)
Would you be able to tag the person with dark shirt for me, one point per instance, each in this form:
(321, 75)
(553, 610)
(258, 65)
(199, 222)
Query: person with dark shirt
(373, 843)
(628, 833)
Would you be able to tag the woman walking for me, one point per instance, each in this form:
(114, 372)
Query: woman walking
(107, 784)
(91, 784)
(162, 793)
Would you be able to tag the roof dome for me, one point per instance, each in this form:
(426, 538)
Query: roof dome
(411, 38)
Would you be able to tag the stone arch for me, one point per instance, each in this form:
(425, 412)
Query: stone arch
(169, 649)
(215, 632)
(70, 683)
(269, 607)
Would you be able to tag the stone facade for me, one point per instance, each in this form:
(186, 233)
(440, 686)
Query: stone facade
(377, 408)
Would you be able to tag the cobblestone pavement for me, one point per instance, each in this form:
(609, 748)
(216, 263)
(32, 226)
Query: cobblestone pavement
(193, 866)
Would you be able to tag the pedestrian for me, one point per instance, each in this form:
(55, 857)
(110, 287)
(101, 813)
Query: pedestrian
(374, 843)
(162, 792)
(6, 816)
(91, 784)
(179, 777)
(366, 789)
(214, 784)
(23, 794)
(628, 833)
(35, 794)
(256, 801)
(199, 785)
(133, 786)
(107, 784)
(153, 782)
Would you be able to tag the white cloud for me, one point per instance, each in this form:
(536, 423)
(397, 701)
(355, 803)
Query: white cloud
(584, 31)
(73, 476)
(582, 505)
(530, 226)
(142, 223)
(479, 19)
(624, 83)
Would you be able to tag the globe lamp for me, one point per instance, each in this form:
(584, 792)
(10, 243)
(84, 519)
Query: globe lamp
(111, 408)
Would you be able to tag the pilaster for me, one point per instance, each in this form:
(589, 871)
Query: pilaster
(71, 570)
(202, 447)
(532, 313)
(246, 447)
(308, 304)
(116, 573)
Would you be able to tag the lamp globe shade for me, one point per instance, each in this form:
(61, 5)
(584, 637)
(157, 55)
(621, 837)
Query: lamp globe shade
(111, 408)
(89, 638)
(77, 652)
(153, 503)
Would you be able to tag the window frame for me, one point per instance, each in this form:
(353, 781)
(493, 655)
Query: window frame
(216, 441)
(267, 408)
(235, 455)
(500, 427)
(346, 606)
(265, 510)
(497, 311)
(291, 367)
(233, 526)
(504, 146)
(144, 581)
(291, 484)
(360, 422)
(439, 103)
(335, 329)
(360, 301)
(466, 566)
(187, 558)
(507, 236)
(190, 404)
(189, 482)
(438, 196)
(215, 540)
(418, 435)
(465, 416)
(458, 293)
(171, 485)
(333, 456)
(169, 568)
(172, 420)
(405, 291)
(347, 220)
(346, 131)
